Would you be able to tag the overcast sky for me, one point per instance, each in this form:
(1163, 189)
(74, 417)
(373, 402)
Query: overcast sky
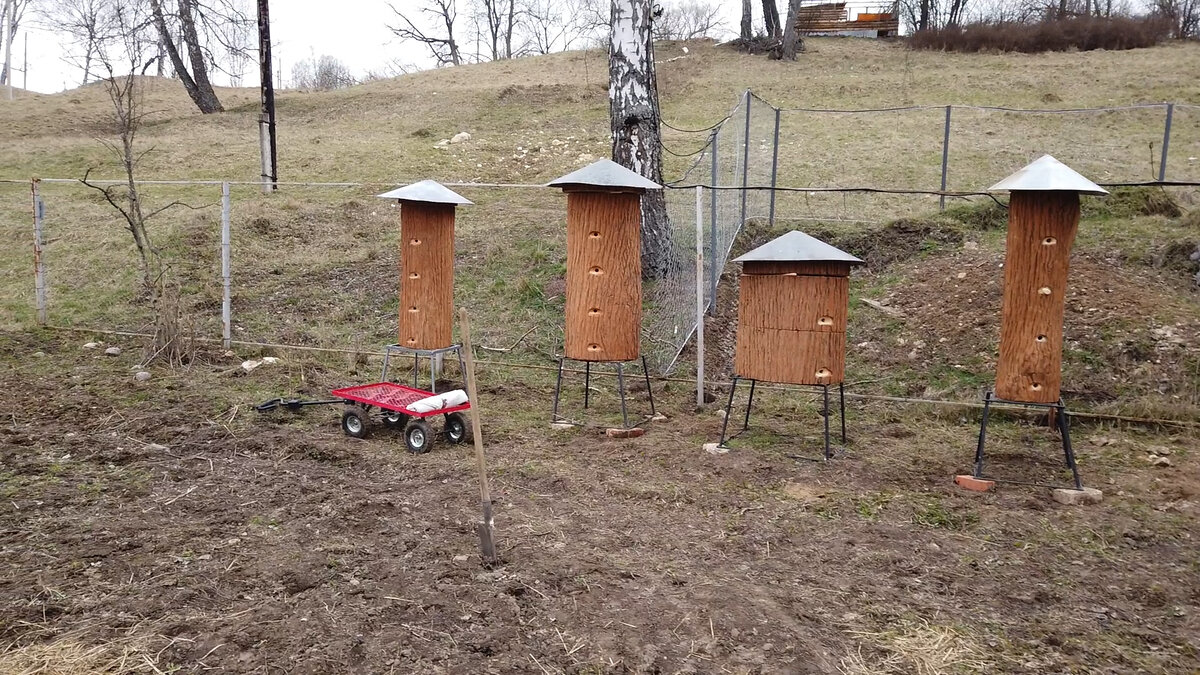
(355, 32)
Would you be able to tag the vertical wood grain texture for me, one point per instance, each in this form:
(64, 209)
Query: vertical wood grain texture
(426, 275)
(790, 356)
(604, 276)
(792, 322)
(1041, 229)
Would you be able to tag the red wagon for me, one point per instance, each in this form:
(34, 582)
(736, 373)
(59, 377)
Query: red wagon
(393, 400)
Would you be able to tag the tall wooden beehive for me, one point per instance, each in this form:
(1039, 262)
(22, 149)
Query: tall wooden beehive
(1043, 215)
(604, 264)
(793, 301)
(426, 263)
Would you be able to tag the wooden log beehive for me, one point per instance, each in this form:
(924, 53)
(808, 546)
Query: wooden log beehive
(792, 312)
(1043, 216)
(604, 268)
(426, 264)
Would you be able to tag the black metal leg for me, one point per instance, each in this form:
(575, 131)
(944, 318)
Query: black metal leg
(649, 389)
(386, 355)
(825, 391)
(621, 391)
(749, 405)
(987, 403)
(557, 391)
(728, 412)
(1064, 426)
(842, 406)
(416, 370)
(462, 368)
(587, 383)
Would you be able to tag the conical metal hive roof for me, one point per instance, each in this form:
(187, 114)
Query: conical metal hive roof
(428, 191)
(1046, 173)
(605, 174)
(795, 246)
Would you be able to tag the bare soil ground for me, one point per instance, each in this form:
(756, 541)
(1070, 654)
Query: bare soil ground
(274, 543)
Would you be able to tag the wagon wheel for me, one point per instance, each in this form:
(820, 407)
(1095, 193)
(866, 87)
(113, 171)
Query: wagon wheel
(456, 428)
(355, 422)
(418, 437)
(394, 419)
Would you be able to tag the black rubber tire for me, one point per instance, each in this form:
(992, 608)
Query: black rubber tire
(393, 419)
(457, 428)
(355, 422)
(418, 437)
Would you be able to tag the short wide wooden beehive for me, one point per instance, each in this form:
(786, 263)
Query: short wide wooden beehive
(426, 263)
(1043, 216)
(604, 265)
(793, 302)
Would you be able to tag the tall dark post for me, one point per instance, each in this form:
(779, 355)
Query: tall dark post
(266, 121)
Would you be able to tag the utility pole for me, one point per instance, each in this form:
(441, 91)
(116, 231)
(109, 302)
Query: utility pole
(266, 120)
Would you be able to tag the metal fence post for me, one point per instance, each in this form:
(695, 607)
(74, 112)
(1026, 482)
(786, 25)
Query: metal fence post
(39, 269)
(745, 160)
(226, 299)
(1162, 165)
(945, 158)
(699, 296)
(712, 227)
(774, 166)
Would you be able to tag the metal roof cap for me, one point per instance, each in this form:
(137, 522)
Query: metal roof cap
(1046, 173)
(795, 246)
(428, 191)
(605, 174)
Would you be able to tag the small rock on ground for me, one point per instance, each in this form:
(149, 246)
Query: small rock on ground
(113, 351)
(91, 345)
(1078, 497)
(715, 449)
(141, 376)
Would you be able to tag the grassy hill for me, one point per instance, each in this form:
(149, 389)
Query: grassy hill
(161, 523)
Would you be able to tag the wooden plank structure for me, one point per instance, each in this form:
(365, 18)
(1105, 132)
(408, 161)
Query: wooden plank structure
(792, 313)
(604, 269)
(1043, 216)
(426, 264)
(824, 18)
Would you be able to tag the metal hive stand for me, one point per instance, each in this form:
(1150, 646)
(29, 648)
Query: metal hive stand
(587, 383)
(828, 453)
(417, 354)
(1062, 421)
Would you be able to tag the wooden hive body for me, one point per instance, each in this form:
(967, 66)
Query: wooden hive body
(792, 322)
(1041, 229)
(426, 275)
(604, 275)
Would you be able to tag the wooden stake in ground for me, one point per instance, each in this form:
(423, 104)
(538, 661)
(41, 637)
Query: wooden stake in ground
(487, 546)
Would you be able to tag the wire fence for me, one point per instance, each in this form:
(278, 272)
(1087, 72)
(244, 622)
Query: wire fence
(320, 268)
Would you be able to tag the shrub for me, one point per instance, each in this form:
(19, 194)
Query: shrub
(1081, 33)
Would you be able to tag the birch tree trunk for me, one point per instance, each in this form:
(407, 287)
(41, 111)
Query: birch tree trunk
(633, 110)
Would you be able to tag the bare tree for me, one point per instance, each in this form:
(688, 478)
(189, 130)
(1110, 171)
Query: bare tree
(1184, 16)
(634, 116)
(747, 25)
(324, 73)
(771, 19)
(133, 27)
(557, 25)
(441, 45)
(688, 20)
(792, 42)
(204, 30)
(87, 24)
(13, 12)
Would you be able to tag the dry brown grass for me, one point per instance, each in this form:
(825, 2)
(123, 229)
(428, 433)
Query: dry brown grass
(914, 647)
